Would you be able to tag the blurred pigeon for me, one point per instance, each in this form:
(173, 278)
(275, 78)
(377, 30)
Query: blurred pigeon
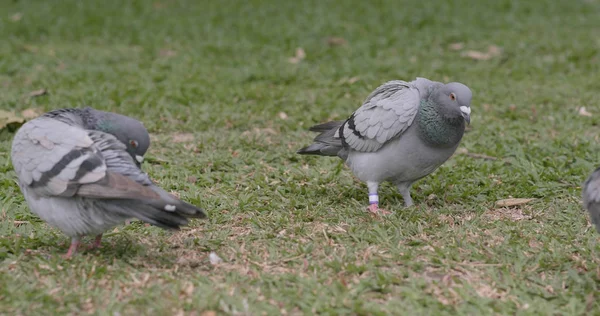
(79, 171)
(591, 197)
(401, 133)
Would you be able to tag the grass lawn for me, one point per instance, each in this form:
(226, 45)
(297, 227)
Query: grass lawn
(228, 98)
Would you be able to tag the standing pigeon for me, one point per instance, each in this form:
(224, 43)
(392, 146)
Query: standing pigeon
(591, 197)
(401, 133)
(79, 171)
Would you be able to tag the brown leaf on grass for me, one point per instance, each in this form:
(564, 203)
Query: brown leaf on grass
(16, 17)
(300, 55)
(353, 80)
(192, 179)
(31, 113)
(512, 202)
(260, 131)
(493, 51)
(38, 93)
(583, 112)
(507, 213)
(167, 53)
(456, 46)
(188, 289)
(336, 41)
(282, 115)
(10, 121)
(182, 137)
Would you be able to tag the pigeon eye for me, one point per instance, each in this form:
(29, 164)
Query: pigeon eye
(133, 143)
(452, 96)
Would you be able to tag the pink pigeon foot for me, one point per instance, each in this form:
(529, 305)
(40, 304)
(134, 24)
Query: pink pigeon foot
(72, 249)
(374, 209)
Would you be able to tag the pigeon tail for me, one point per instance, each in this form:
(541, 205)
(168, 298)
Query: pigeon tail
(327, 143)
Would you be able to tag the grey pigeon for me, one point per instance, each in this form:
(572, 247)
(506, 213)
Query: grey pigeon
(401, 133)
(79, 171)
(591, 197)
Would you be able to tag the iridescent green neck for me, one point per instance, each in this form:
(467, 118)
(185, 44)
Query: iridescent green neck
(104, 125)
(437, 130)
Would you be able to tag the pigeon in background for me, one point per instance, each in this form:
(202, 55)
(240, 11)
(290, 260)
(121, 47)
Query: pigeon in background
(401, 133)
(591, 197)
(79, 171)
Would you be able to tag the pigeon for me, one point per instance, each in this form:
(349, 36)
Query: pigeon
(402, 132)
(591, 197)
(79, 170)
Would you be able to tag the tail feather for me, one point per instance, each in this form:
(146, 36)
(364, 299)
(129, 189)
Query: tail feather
(326, 143)
(170, 203)
(146, 213)
(324, 127)
(166, 211)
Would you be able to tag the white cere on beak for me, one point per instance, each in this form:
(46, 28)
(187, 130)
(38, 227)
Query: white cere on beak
(466, 110)
(139, 158)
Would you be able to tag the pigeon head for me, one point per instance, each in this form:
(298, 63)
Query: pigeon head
(455, 100)
(129, 131)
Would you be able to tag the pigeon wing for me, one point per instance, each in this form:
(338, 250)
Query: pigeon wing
(386, 114)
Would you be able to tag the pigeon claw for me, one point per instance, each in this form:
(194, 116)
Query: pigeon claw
(375, 210)
(72, 250)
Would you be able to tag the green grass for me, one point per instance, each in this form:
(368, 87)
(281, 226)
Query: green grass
(210, 80)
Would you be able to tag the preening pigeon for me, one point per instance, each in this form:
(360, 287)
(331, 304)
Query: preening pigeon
(591, 197)
(79, 171)
(401, 133)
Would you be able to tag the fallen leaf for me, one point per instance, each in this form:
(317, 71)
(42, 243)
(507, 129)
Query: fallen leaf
(583, 112)
(10, 121)
(336, 41)
(456, 46)
(167, 53)
(214, 258)
(192, 179)
(188, 289)
(16, 17)
(512, 202)
(182, 137)
(476, 55)
(282, 115)
(300, 55)
(29, 114)
(353, 80)
(209, 313)
(493, 51)
(38, 93)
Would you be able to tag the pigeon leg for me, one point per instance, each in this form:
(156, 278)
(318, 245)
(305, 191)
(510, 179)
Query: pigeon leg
(97, 242)
(404, 189)
(73, 248)
(374, 199)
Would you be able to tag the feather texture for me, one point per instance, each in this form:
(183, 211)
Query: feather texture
(84, 181)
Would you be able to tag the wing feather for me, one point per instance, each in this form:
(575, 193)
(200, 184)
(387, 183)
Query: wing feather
(386, 114)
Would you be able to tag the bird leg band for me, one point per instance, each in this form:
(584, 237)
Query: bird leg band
(373, 198)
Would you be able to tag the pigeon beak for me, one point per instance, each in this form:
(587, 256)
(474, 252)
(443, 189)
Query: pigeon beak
(466, 112)
(139, 159)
